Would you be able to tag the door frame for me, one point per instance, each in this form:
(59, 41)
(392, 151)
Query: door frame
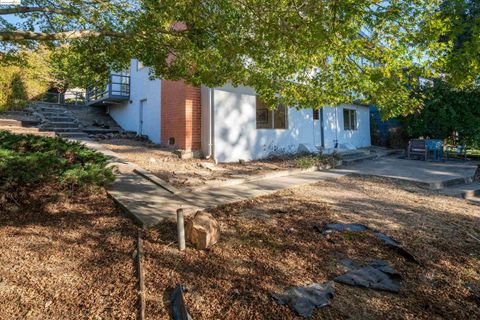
(143, 102)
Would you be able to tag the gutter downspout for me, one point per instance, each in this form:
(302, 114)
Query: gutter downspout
(336, 127)
(322, 130)
(210, 123)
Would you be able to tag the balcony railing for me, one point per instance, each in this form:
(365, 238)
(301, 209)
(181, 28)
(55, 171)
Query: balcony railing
(117, 89)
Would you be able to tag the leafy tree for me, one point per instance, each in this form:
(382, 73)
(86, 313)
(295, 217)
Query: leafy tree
(449, 113)
(306, 53)
(462, 60)
(23, 78)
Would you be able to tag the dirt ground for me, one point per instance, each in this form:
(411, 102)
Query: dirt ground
(189, 172)
(66, 258)
(269, 244)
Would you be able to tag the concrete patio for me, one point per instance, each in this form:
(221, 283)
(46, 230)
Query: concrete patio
(432, 175)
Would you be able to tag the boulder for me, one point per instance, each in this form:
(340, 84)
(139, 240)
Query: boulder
(203, 231)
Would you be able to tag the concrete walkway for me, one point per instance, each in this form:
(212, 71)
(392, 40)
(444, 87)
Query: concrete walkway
(150, 200)
(211, 198)
(150, 204)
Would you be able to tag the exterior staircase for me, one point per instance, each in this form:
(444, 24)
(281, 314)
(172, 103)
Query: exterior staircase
(58, 119)
(66, 121)
(74, 122)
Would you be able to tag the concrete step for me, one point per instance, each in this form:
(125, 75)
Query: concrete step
(52, 109)
(72, 134)
(55, 115)
(101, 130)
(52, 125)
(469, 191)
(62, 118)
(69, 129)
(352, 159)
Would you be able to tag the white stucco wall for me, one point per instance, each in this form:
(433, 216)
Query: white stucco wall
(236, 136)
(235, 133)
(334, 128)
(127, 115)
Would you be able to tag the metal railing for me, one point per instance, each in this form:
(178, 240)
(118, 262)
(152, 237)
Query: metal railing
(69, 98)
(118, 87)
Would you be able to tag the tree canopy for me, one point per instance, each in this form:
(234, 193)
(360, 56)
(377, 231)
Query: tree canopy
(449, 113)
(304, 53)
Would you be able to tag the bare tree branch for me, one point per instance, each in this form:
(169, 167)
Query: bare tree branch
(16, 10)
(19, 35)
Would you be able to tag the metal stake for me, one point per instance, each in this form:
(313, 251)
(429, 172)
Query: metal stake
(180, 229)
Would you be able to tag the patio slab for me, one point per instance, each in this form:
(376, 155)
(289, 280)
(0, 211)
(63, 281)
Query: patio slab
(432, 175)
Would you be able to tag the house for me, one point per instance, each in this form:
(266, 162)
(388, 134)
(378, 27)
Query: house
(226, 123)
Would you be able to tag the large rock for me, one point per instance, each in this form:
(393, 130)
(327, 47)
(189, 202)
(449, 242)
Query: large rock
(203, 231)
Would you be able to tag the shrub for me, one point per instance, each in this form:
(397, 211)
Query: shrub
(449, 114)
(305, 161)
(27, 160)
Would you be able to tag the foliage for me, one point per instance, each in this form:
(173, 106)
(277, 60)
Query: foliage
(449, 113)
(27, 160)
(23, 79)
(308, 160)
(462, 63)
(68, 71)
(306, 54)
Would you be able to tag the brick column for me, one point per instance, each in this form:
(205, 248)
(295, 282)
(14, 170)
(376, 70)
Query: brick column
(180, 114)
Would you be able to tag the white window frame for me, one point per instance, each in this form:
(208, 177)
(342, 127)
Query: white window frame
(271, 113)
(352, 123)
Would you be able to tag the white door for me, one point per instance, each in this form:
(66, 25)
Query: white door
(317, 129)
(143, 104)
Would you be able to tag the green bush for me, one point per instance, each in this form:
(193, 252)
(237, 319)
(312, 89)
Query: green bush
(308, 160)
(27, 78)
(27, 160)
(448, 113)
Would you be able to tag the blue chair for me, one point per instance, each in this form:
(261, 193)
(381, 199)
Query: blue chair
(435, 146)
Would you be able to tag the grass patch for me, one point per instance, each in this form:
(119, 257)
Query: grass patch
(27, 161)
(473, 153)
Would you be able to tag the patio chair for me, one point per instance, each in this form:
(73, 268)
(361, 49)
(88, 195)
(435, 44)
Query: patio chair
(417, 147)
(460, 150)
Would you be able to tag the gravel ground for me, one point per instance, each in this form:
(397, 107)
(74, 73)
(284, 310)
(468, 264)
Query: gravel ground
(269, 244)
(66, 258)
(188, 172)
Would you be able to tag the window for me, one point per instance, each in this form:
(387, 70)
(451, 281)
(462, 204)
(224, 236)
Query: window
(271, 119)
(316, 114)
(349, 119)
(140, 65)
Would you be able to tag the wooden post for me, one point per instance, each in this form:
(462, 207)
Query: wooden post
(141, 280)
(180, 229)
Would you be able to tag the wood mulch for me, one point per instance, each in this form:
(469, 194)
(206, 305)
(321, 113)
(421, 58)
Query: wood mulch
(66, 257)
(72, 256)
(189, 172)
(269, 244)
